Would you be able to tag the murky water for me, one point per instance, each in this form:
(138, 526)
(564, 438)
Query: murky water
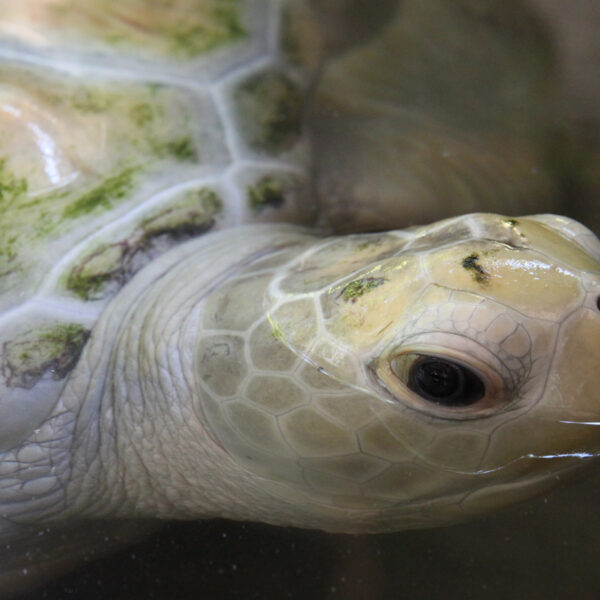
(546, 548)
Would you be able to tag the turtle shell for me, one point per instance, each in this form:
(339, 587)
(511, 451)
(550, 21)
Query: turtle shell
(127, 128)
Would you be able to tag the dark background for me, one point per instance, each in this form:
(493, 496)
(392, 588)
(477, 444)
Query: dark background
(548, 548)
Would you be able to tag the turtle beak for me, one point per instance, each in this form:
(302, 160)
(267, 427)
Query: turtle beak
(570, 406)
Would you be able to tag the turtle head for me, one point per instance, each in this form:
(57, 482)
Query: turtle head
(438, 372)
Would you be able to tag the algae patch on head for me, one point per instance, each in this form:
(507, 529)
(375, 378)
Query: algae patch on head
(276, 331)
(12, 191)
(471, 263)
(53, 350)
(357, 288)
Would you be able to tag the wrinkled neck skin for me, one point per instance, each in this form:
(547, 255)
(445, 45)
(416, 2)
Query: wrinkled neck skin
(205, 393)
(217, 384)
(141, 446)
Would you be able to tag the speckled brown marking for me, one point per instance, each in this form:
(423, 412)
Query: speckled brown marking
(514, 224)
(357, 288)
(471, 263)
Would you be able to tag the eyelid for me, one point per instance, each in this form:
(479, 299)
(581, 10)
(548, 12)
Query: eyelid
(460, 349)
(411, 357)
(499, 385)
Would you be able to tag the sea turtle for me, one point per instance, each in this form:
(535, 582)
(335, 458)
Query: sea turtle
(169, 348)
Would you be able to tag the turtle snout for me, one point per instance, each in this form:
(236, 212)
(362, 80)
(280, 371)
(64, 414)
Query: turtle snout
(573, 231)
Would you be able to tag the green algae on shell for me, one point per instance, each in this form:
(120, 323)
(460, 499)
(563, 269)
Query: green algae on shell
(102, 195)
(267, 191)
(148, 132)
(277, 194)
(177, 29)
(269, 106)
(182, 149)
(50, 349)
(224, 26)
(110, 265)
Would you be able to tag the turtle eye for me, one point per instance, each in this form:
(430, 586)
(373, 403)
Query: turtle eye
(443, 382)
(442, 386)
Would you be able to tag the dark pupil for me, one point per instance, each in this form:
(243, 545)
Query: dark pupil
(445, 382)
